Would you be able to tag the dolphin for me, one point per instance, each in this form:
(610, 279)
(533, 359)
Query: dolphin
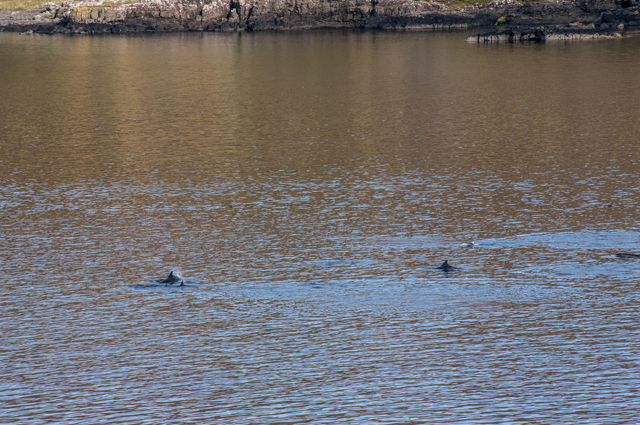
(169, 280)
(627, 255)
(445, 267)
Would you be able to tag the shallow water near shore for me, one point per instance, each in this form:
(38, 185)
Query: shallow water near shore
(306, 185)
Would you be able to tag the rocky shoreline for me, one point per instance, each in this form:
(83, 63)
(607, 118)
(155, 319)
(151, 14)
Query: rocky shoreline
(533, 21)
(544, 34)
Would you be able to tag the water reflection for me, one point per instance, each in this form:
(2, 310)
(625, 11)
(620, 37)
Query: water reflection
(308, 184)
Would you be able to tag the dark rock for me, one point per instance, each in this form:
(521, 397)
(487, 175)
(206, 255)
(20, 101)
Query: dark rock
(542, 34)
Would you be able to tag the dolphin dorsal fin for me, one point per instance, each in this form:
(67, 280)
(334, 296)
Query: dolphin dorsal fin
(445, 266)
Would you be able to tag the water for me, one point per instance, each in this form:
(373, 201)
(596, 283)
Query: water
(306, 185)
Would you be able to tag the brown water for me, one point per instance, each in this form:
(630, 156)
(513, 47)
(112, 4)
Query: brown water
(305, 185)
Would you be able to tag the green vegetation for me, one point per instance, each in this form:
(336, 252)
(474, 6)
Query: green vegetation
(20, 4)
(114, 3)
(458, 4)
(33, 4)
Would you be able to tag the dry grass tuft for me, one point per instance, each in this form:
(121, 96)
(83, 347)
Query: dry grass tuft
(32, 4)
(458, 4)
(20, 4)
(35, 4)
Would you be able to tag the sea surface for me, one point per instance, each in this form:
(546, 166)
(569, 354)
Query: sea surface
(305, 186)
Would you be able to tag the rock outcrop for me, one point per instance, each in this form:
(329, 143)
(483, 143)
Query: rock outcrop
(122, 16)
(577, 20)
(543, 34)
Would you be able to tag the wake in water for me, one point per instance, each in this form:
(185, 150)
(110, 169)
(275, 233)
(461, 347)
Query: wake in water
(627, 255)
(173, 280)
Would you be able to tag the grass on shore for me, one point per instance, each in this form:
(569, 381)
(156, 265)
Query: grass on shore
(459, 4)
(20, 4)
(36, 4)
(32, 4)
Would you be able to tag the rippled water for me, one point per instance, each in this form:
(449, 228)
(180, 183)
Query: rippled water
(306, 185)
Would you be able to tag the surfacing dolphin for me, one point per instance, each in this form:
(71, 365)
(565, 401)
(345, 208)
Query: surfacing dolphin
(446, 267)
(169, 280)
(627, 255)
